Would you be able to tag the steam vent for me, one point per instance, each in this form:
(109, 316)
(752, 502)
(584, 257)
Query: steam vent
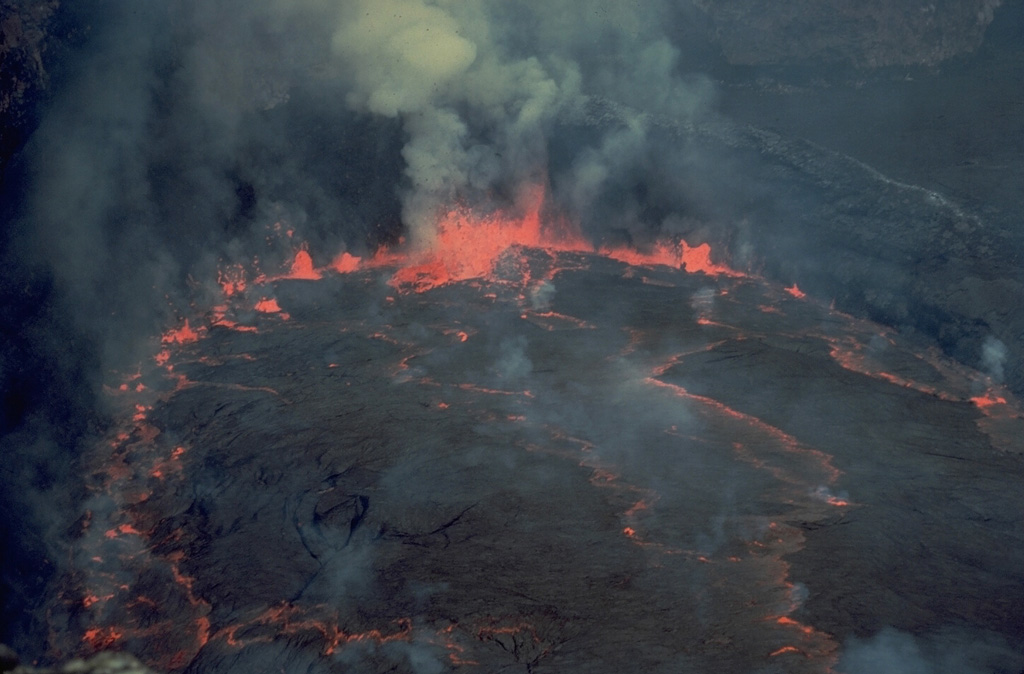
(423, 336)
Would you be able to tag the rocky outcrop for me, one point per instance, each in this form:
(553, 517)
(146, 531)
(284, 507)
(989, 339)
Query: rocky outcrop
(866, 34)
(22, 72)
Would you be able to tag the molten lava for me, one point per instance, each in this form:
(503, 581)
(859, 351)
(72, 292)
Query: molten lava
(467, 246)
(345, 263)
(302, 268)
(268, 306)
(988, 399)
(679, 255)
(231, 280)
(182, 335)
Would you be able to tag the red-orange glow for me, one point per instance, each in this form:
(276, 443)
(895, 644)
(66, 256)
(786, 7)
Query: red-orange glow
(698, 258)
(180, 578)
(268, 306)
(387, 257)
(101, 639)
(425, 276)
(637, 507)
(346, 263)
(661, 254)
(703, 320)
(144, 600)
(784, 650)
(231, 280)
(682, 256)
(552, 320)
(467, 246)
(629, 531)
(490, 631)
(203, 630)
(492, 391)
(218, 316)
(455, 655)
(123, 529)
(170, 465)
(785, 440)
(601, 475)
(302, 268)
(182, 335)
(988, 400)
(849, 355)
(286, 619)
(91, 599)
(241, 328)
(789, 622)
(796, 292)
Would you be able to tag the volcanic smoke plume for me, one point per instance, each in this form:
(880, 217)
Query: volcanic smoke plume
(437, 336)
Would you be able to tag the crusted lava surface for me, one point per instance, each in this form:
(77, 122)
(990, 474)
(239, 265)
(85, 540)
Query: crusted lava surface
(573, 465)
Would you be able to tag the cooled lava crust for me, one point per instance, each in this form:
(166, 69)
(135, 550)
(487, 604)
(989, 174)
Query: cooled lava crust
(573, 464)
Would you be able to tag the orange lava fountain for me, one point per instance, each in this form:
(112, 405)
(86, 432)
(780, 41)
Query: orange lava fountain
(467, 246)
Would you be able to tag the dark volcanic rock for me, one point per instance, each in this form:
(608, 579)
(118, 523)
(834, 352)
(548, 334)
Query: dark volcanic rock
(23, 37)
(657, 471)
(920, 527)
(866, 34)
(899, 253)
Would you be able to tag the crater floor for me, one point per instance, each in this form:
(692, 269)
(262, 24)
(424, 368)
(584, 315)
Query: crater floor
(577, 465)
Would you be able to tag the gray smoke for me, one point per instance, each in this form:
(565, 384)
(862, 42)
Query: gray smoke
(947, 652)
(477, 100)
(183, 131)
(993, 358)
